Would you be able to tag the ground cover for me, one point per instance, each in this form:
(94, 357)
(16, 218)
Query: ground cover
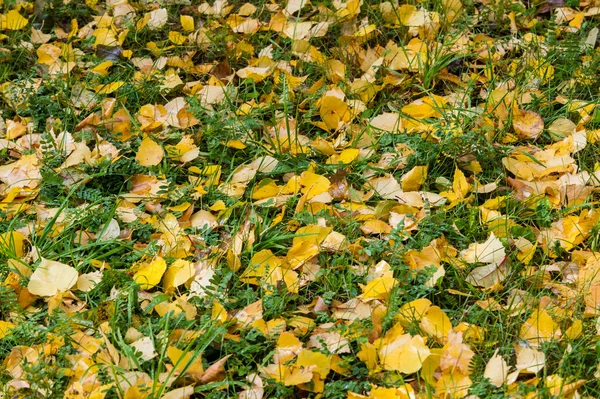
(318, 199)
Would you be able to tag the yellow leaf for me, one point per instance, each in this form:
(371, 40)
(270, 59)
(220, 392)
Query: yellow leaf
(48, 54)
(538, 328)
(105, 37)
(177, 38)
(388, 122)
(179, 393)
(348, 155)
(51, 277)
(366, 32)
(368, 354)
(288, 346)
(102, 68)
(335, 70)
(376, 226)
(300, 253)
(261, 266)
(460, 186)
(237, 144)
(414, 178)
(311, 233)
(313, 184)
(5, 327)
(108, 88)
(185, 361)
(178, 273)
(452, 8)
(149, 153)
(490, 251)
(187, 22)
(315, 361)
(413, 311)
(12, 242)
(575, 330)
(13, 21)
(39, 37)
(239, 24)
(488, 276)
(436, 323)
(561, 128)
(577, 20)
(334, 112)
(403, 392)
(218, 206)
(378, 288)
(266, 188)
(402, 352)
(150, 274)
(296, 376)
(218, 312)
(180, 208)
(425, 107)
(529, 360)
(527, 124)
(496, 370)
(453, 385)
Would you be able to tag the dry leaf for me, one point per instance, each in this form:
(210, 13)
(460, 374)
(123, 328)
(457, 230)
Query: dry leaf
(51, 277)
(496, 370)
(149, 153)
(215, 372)
(527, 124)
(490, 251)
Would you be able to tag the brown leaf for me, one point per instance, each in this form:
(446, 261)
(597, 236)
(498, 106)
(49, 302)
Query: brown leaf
(215, 372)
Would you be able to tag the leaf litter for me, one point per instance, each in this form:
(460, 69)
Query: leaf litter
(299, 199)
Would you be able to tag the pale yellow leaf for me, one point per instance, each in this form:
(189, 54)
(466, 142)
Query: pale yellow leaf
(490, 251)
(157, 18)
(496, 370)
(51, 277)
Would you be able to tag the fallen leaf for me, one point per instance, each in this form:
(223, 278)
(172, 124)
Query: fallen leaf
(527, 124)
(150, 274)
(51, 277)
(490, 251)
(496, 370)
(149, 153)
